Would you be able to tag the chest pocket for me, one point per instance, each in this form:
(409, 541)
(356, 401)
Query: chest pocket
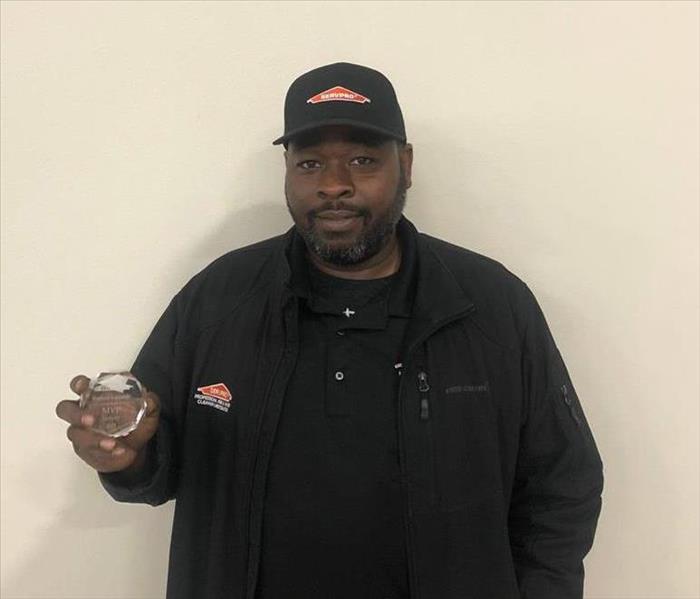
(225, 386)
(462, 421)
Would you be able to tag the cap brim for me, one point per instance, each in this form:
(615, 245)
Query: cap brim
(359, 124)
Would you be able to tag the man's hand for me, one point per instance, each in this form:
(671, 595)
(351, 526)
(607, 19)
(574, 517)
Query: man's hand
(103, 453)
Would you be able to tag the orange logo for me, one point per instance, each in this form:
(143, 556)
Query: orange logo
(338, 94)
(218, 391)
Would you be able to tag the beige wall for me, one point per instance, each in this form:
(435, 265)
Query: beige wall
(559, 138)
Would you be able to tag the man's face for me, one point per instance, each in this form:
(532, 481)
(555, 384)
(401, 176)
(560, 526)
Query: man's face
(346, 191)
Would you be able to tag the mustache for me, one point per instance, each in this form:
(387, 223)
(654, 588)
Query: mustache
(338, 206)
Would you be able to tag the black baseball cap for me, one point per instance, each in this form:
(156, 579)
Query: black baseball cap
(342, 94)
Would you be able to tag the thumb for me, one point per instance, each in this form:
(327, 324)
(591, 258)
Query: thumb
(79, 384)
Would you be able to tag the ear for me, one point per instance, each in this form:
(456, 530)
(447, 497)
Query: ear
(406, 158)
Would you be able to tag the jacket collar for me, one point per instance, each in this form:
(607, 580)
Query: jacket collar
(437, 295)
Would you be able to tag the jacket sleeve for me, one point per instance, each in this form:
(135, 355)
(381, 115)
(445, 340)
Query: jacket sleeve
(556, 496)
(154, 367)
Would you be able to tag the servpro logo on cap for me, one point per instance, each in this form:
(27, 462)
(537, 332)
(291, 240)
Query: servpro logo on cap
(338, 94)
(215, 396)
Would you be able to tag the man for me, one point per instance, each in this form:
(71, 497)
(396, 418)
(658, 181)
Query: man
(356, 409)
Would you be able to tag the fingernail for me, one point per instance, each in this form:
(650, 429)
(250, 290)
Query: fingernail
(87, 420)
(107, 444)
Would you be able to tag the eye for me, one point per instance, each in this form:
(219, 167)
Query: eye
(364, 160)
(307, 164)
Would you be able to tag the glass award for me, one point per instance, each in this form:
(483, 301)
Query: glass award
(117, 402)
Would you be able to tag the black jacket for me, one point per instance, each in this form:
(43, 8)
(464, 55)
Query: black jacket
(501, 475)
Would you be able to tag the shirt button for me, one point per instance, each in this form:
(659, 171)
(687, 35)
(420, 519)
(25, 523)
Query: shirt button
(339, 376)
(340, 333)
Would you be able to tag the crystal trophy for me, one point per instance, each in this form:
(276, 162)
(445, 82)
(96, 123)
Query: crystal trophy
(117, 402)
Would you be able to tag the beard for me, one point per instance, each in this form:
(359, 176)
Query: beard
(368, 243)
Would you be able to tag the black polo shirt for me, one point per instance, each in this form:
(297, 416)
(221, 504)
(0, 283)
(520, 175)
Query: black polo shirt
(333, 520)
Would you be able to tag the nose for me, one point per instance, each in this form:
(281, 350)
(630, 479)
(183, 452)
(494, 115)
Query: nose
(335, 182)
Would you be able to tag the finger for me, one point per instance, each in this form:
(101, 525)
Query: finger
(88, 441)
(70, 411)
(152, 404)
(79, 384)
(82, 438)
(103, 461)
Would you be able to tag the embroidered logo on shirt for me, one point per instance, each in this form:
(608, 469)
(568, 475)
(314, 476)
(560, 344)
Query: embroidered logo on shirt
(338, 94)
(215, 396)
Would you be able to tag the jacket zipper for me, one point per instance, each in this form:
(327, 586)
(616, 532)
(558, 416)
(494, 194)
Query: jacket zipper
(423, 388)
(251, 578)
(414, 593)
(408, 521)
(570, 404)
(255, 444)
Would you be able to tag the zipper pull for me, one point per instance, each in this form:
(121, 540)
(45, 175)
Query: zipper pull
(423, 381)
(423, 387)
(568, 402)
